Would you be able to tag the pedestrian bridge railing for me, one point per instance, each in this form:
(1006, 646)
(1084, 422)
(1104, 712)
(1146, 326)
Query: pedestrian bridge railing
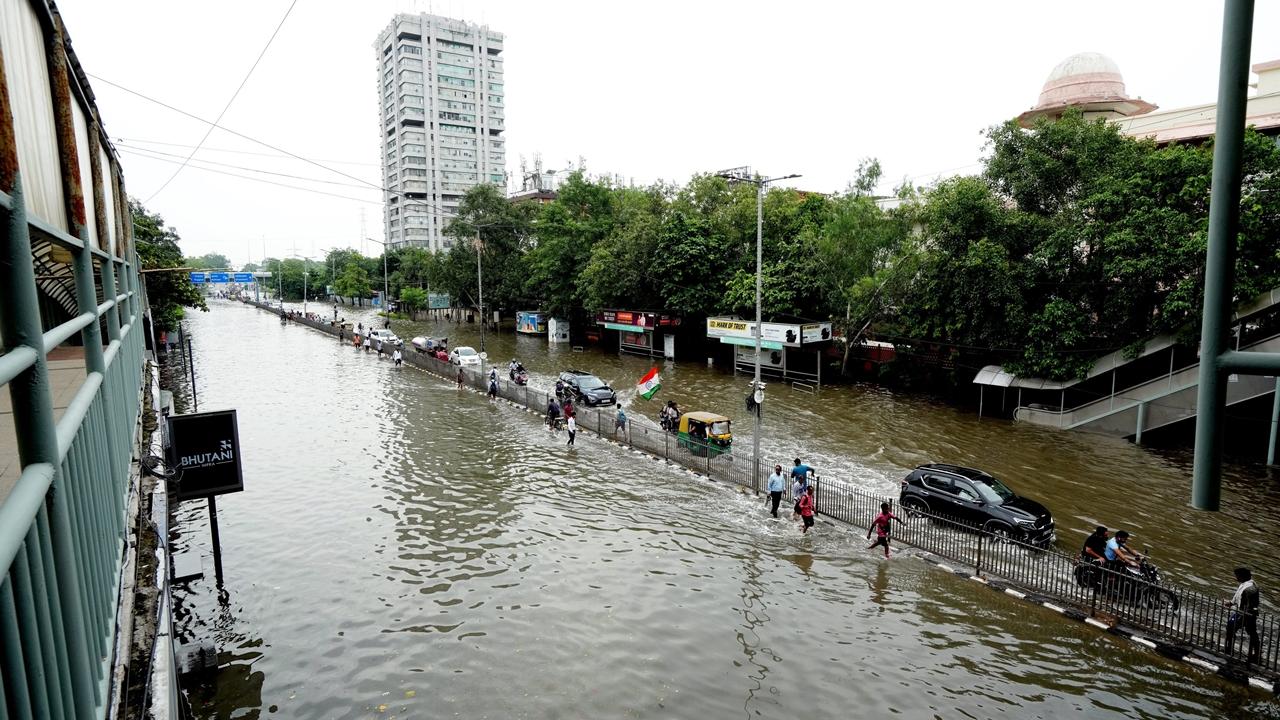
(62, 526)
(1182, 617)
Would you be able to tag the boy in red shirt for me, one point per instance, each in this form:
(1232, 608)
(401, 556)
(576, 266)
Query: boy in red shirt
(881, 525)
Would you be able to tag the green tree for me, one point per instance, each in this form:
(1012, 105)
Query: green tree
(503, 232)
(353, 282)
(413, 298)
(157, 246)
(566, 231)
(215, 261)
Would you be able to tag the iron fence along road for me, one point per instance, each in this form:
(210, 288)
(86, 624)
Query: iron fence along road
(1179, 615)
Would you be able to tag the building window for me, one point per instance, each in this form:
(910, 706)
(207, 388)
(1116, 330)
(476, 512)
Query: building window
(410, 50)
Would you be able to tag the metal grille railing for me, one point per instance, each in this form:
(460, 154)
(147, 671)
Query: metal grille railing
(1177, 615)
(62, 527)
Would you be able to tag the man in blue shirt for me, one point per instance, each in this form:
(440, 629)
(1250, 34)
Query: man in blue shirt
(1117, 553)
(801, 472)
(777, 483)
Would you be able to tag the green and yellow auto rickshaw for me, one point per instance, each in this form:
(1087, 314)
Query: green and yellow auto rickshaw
(705, 433)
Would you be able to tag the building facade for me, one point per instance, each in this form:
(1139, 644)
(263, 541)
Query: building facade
(440, 85)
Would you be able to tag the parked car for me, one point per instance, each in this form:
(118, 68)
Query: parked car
(587, 389)
(386, 336)
(465, 355)
(976, 499)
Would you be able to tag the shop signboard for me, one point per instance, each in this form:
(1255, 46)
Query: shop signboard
(635, 320)
(205, 449)
(815, 332)
(729, 330)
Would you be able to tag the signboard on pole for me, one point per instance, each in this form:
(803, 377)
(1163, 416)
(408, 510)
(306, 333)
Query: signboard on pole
(438, 301)
(731, 330)
(243, 277)
(197, 278)
(815, 332)
(218, 277)
(205, 449)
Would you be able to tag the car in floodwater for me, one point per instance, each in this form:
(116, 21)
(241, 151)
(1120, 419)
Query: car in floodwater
(587, 389)
(386, 336)
(465, 356)
(976, 499)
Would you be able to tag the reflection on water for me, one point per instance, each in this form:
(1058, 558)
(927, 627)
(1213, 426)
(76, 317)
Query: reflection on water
(405, 548)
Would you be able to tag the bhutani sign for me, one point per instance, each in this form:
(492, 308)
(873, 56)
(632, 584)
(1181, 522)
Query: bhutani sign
(205, 449)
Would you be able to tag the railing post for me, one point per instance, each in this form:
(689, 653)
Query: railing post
(1142, 422)
(666, 450)
(977, 567)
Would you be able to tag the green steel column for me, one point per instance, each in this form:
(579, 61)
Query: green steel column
(1275, 423)
(108, 274)
(1219, 280)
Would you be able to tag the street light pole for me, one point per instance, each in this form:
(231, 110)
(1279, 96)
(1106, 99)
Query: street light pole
(385, 307)
(480, 287)
(744, 174)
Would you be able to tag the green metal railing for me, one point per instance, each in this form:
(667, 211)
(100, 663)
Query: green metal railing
(62, 527)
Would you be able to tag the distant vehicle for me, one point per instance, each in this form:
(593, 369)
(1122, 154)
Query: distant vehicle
(465, 356)
(386, 336)
(426, 344)
(975, 498)
(587, 389)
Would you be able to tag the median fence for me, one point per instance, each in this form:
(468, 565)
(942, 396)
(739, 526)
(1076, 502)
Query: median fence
(1180, 620)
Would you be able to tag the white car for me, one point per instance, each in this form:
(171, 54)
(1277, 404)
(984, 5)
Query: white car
(465, 356)
(386, 336)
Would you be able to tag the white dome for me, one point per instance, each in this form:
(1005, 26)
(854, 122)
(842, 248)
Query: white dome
(1081, 79)
(1083, 64)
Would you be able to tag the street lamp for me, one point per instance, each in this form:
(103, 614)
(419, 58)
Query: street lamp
(744, 174)
(386, 308)
(480, 288)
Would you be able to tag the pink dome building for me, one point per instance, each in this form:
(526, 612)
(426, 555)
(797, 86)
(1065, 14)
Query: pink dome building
(1089, 81)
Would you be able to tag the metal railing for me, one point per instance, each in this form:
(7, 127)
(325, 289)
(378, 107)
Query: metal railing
(62, 527)
(1177, 615)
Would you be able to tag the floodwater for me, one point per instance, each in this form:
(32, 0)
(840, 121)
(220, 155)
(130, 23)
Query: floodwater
(405, 549)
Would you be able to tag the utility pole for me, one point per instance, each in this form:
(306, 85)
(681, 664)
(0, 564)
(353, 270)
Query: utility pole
(480, 287)
(744, 174)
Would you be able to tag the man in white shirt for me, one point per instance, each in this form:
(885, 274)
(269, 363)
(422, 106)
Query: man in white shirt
(573, 429)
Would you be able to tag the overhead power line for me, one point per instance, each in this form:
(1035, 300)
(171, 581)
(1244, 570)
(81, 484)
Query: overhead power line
(226, 107)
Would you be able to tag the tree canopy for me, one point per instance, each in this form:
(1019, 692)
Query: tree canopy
(157, 246)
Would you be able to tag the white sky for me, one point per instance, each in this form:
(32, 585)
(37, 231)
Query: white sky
(647, 90)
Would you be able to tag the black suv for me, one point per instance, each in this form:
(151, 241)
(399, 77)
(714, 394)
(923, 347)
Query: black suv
(977, 499)
(587, 389)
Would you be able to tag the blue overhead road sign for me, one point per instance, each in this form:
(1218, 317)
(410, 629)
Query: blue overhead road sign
(244, 277)
(218, 277)
(197, 277)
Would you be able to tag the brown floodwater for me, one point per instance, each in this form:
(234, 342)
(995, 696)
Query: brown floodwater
(406, 549)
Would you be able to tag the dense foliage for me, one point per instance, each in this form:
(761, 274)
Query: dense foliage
(157, 246)
(1073, 242)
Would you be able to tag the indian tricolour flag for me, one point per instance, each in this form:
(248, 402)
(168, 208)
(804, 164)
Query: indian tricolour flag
(649, 384)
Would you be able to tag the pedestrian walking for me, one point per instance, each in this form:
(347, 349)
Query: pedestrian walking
(1244, 614)
(340, 338)
(573, 430)
(806, 509)
(366, 344)
(801, 472)
(777, 484)
(620, 422)
(493, 389)
(378, 346)
(397, 358)
(881, 525)
(461, 378)
(799, 488)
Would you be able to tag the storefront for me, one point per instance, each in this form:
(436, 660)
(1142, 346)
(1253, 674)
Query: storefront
(651, 334)
(790, 351)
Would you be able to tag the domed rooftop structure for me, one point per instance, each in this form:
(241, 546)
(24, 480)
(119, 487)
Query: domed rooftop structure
(1090, 81)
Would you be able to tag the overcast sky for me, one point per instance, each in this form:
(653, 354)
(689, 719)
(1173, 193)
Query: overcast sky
(646, 90)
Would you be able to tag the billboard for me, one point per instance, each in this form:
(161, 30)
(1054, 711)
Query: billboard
(815, 332)
(531, 322)
(786, 334)
(205, 449)
(438, 301)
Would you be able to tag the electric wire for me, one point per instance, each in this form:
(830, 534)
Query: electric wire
(140, 150)
(226, 107)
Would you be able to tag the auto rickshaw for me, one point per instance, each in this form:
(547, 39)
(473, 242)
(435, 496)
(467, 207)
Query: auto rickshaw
(705, 433)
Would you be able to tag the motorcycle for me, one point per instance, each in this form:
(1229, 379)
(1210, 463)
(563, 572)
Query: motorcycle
(518, 375)
(1139, 586)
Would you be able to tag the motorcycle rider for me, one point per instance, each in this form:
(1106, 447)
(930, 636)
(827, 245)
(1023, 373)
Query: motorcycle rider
(1095, 546)
(512, 367)
(1117, 553)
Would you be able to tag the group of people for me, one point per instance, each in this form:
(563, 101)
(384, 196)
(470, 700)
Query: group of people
(363, 340)
(1113, 554)
(669, 416)
(805, 497)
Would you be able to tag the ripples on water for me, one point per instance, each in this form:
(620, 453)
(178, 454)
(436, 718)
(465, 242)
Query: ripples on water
(407, 549)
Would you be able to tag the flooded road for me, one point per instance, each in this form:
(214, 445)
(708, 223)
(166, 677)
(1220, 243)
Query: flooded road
(403, 549)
